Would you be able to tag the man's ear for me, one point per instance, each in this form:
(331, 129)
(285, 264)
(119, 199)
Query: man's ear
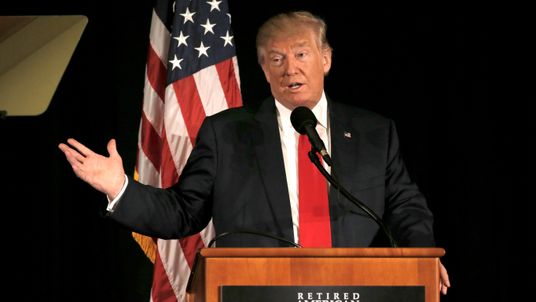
(265, 71)
(326, 60)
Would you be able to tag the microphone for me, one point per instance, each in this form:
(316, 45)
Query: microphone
(304, 121)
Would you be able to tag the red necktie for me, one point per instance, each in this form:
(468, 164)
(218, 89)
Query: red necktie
(314, 225)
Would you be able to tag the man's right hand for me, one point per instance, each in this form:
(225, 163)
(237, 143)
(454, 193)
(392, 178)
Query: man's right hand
(105, 174)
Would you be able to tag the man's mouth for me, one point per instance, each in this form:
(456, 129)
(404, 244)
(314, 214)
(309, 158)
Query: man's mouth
(295, 85)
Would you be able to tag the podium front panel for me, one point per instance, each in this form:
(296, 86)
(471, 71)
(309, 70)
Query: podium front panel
(316, 268)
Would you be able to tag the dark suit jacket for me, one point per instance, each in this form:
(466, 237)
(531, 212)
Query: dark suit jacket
(235, 175)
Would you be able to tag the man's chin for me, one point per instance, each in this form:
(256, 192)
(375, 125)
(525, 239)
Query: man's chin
(294, 102)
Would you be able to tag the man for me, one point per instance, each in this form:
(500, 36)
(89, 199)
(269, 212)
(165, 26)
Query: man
(243, 170)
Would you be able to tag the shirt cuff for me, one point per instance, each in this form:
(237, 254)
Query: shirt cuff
(113, 203)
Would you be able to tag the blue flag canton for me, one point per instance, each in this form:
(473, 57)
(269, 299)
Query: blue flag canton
(201, 36)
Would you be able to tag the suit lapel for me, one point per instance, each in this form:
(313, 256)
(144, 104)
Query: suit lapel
(343, 146)
(272, 168)
(343, 150)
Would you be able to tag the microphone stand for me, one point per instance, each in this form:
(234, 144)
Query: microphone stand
(213, 241)
(290, 243)
(362, 206)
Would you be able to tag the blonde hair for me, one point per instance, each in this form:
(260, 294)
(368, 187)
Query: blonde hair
(291, 23)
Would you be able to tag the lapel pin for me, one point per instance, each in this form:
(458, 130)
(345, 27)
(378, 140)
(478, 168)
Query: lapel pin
(347, 134)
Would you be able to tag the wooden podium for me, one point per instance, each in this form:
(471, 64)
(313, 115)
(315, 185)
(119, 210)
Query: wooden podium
(217, 268)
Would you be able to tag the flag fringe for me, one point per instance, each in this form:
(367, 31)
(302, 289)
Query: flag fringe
(147, 244)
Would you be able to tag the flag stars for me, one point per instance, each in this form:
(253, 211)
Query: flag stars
(202, 50)
(176, 62)
(208, 26)
(227, 39)
(188, 16)
(214, 5)
(181, 39)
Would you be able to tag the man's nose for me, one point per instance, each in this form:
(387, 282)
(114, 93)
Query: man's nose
(291, 66)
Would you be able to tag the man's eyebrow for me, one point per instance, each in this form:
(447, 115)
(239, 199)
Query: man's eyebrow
(275, 51)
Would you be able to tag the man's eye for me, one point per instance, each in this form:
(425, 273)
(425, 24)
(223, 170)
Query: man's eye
(301, 54)
(277, 60)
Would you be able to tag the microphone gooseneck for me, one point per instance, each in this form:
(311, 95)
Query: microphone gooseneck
(353, 199)
(252, 232)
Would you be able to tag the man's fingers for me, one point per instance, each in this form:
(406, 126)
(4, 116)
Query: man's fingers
(444, 282)
(72, 155)
(112, 148)
(63, 147)
(74, 158)
(81, 148)
(444, 276)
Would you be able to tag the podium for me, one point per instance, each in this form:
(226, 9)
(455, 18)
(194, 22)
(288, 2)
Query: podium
(311, 274)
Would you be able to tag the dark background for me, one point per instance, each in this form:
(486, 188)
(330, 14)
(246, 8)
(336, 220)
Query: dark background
(432, 68)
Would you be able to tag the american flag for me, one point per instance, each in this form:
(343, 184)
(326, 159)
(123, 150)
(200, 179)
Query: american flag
(191, 72)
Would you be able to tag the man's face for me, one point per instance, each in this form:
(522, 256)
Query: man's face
(294, 66)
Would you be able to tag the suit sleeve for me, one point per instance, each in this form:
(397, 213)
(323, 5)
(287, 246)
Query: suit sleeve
(407, 212)
(182, 210)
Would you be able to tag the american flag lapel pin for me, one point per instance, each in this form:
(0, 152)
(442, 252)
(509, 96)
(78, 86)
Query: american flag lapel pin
(347, 135)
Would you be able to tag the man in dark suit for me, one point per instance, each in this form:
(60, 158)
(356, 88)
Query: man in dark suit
(242, 170)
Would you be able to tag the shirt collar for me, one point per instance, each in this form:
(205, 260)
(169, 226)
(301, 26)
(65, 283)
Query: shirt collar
(320, 111)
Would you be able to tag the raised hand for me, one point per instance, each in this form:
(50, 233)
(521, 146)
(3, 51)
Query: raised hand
(106, 174)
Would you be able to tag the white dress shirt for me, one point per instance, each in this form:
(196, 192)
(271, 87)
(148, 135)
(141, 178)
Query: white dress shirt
(289, 146)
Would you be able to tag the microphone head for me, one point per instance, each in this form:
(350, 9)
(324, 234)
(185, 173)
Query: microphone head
(302, 117)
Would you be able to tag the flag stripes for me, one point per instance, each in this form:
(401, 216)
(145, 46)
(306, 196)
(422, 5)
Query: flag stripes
(184, 84)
